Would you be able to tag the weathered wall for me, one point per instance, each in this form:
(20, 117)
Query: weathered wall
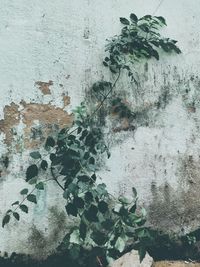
(50, 54)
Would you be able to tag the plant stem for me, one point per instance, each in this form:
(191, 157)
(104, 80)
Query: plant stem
(106, 96)
(102, 102)
(99, 261)
(56, 180)
(29, 194)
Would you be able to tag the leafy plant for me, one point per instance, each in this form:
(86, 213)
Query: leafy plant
(139, 39)
(106, 224)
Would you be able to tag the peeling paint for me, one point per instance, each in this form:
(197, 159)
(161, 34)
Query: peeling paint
(44, 87)
(39, 121)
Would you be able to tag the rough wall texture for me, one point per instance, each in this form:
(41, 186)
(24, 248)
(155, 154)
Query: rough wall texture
(175, 264)
(51, 53)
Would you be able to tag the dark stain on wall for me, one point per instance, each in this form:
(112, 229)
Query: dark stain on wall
(178, 210)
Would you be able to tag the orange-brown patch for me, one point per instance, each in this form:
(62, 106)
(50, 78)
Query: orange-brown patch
(66, 100)
(44, 87)
(11, 119)
(45, 116)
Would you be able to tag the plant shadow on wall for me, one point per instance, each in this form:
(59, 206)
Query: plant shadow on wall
(105, 226)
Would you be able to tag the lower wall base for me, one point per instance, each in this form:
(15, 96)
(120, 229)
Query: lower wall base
(175, 264)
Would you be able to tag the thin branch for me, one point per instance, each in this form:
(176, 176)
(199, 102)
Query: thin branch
(99, 261)
(56, 180)
(106, 96)
(29, 194)
(102, 102)
(24, 199)
(159, 5)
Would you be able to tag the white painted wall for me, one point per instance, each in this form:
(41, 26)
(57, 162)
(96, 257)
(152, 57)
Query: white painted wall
(63, 41)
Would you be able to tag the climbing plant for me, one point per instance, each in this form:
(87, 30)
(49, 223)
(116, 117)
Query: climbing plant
(105, 224)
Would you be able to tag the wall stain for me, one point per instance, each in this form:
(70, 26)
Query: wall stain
(178, 210)
(11, 119)
(42, 244)
(44, 87)
(39, 121)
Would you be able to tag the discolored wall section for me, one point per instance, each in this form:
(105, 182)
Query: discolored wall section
(50, 55)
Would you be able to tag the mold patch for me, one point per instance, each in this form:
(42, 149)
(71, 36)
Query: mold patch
(178, 210)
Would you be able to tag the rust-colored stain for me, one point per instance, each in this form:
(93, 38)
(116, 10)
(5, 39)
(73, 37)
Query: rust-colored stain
(39, 120)
(11, 119)
(44, 87)
(66, 100)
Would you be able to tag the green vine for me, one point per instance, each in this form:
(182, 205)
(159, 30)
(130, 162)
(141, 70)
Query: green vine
(106, 224)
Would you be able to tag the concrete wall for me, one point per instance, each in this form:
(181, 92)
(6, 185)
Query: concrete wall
(50, 54)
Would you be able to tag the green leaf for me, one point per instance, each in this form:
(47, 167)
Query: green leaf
(83, 230)
(92, 161)
(71, 209)
(75, 252)
(134, 192)
(24, 208)
(155, 54)
(91, 214)
(44, 165)
(161, 19)
(101, 189)
(50, 142)
(88, 197)
(75, 237)
(79, 202)
(79, 130)
(146, 17)
(35, 155)
(99, 238)
(40, 186)
(16, 215)
(133, 209)
(24, 191)
(93, 178)
(15, 203)
(120, 244)
(86, 155)
(108, 224)
(33, 181)
(83, 178)
(144, 212)
(31, 172)
(124, 21)
(8, 211)
(32, 198)
(133, 18)
(84, 134)
(124, 200)
(141, 233)
(6, 220)
(142, 253)
(102, 206)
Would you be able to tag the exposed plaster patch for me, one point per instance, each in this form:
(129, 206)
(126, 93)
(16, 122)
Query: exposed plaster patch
(38, 119)
(11, 119)
(44, 87)
(66, 100)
